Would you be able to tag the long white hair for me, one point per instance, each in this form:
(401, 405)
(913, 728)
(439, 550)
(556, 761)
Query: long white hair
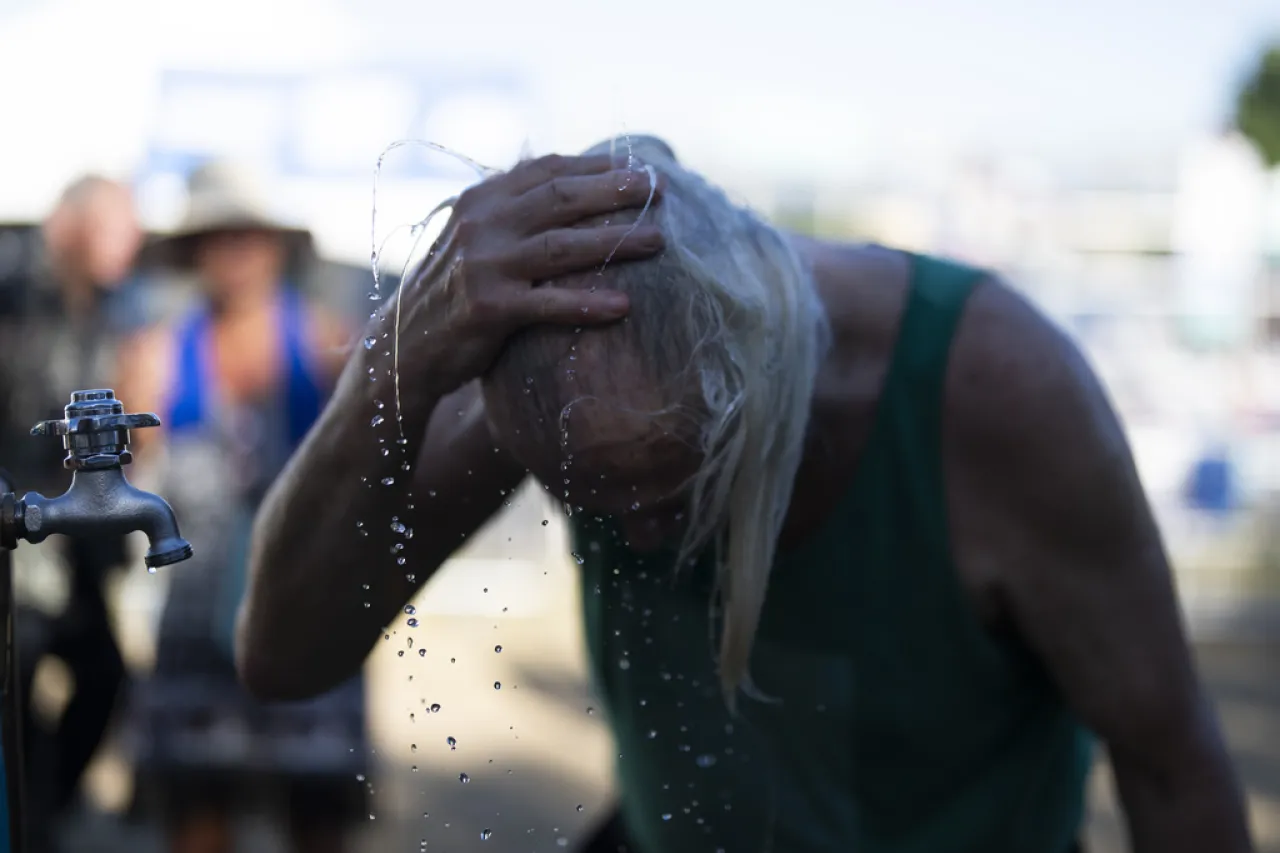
(731, 308)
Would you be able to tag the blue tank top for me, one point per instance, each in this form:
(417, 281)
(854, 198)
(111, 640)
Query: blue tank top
(286, 415)
(190, 405)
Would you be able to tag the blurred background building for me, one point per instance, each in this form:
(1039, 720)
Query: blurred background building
(1116, 160)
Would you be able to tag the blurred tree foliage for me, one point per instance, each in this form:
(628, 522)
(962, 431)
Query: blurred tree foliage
(1258, 106)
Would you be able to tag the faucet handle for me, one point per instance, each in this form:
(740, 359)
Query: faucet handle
(95, 423)
(95, 430)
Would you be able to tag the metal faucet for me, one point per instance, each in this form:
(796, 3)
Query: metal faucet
(95, 433)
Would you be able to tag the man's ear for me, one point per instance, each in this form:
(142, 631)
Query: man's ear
(640, 145)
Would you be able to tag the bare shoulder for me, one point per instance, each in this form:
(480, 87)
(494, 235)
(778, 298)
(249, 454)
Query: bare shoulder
(1024, 405)
(331, 337)
(144, 362)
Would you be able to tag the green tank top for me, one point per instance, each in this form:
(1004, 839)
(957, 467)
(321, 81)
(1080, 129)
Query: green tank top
(900, 725)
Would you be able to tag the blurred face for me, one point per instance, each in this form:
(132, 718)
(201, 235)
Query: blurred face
(110, 239)
(611, 460)
(93, 241)
(235, 265)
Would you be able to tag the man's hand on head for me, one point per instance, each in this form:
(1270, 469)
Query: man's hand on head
(1083, 572)
(507, 235)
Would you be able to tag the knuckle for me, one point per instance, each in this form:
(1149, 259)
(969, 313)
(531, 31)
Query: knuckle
(555, 247)
(553, 164)
(466, 228)
(562, 192)
(466, 200)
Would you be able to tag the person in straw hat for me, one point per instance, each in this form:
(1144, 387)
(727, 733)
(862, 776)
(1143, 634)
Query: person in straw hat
(237, 383)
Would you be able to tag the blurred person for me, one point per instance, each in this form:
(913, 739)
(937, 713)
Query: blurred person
(865, 561)
(64, 339)
(237, 382)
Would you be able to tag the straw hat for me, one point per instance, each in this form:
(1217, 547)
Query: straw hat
(223, 196)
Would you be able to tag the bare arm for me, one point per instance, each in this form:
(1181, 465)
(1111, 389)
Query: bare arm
(1087, 580)
(324, 531)
(320, 589)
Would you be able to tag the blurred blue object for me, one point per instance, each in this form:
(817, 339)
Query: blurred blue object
(1212, 485)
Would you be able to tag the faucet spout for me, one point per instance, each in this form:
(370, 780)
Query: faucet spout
(103, 502)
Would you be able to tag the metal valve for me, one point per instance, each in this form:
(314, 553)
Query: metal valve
(95, 433)
(95, 430)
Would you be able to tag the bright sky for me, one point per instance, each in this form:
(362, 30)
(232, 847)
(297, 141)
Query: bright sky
(805, 88)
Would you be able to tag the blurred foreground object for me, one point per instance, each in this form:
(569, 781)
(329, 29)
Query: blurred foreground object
(101, 501)
(69, 298)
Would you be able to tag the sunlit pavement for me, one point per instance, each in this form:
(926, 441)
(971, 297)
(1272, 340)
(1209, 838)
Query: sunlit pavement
(533, 750)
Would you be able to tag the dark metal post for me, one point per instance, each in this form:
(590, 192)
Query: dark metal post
(95, 433)
(11, 709)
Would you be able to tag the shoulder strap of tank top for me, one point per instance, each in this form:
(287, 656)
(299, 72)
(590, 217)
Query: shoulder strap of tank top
(304, 392)
(939, 291)
(190, 380)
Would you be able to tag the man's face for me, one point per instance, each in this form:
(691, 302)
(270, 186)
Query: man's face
(111, 237)
(610, 459)
(95, 240)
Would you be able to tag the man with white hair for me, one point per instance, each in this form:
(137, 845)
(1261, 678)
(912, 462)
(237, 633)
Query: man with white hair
(866, 563)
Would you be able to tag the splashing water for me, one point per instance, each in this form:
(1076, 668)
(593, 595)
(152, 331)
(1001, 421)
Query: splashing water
(648, 202)
(419, 229)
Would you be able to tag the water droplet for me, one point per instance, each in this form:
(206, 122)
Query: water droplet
(498, 649)
(376, 420)
(579, 806)
(387, 481)
(705, 761)
(397, 526)
(412, 623)
(497, 685)
(577, 557)
(590, 710)
(624, 664)
(653, 733)
(435, 708)
(544, 522)
(464, 778)
(667, 816)
(485, 833)
(422, 653)
(369, 342)
(635, 505)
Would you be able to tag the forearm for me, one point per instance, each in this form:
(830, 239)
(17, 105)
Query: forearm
(323, 579)
(1185, 804)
